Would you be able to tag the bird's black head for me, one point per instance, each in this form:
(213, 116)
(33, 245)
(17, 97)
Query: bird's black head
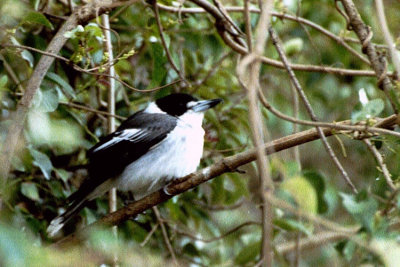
(178, 104)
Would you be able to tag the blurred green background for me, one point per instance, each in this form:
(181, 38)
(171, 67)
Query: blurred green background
(49, 162)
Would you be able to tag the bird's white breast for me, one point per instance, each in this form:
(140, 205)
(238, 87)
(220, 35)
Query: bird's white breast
(177, 155)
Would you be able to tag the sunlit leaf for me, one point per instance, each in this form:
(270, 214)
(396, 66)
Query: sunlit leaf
(49, 100)
(39, 18)
(248, 253)
(60, 81)
(3, 82)
(303, 192)
(363, 210)
(30, 190)
(159, 70)
(42, 161)
(292, 226)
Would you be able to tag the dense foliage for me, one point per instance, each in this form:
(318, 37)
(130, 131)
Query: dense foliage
(218, 222)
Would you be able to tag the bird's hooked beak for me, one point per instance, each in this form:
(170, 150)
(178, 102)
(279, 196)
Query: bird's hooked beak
(203, 105)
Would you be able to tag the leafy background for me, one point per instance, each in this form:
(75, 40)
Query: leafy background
(49, 163)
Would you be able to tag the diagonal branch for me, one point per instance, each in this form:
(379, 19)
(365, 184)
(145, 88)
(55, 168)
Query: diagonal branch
(310, 111)
(228, 164)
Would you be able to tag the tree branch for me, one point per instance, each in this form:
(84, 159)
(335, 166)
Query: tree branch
(225, 165)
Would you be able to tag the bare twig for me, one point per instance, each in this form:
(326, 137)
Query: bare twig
(12, 74)
(296, 108)
(149, 235)
(165, 235)
(276, 41)
(247, 21)
(164, 43)
(386, 34)
(218, 207)
(231, 231)
(340, 126)
(82, 107)
(379, 159)
(312, 242)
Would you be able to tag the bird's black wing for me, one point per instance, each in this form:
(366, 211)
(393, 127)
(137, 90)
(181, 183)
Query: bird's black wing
(135, 136)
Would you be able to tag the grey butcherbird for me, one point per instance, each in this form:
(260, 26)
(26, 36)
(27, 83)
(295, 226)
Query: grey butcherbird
(153, 146)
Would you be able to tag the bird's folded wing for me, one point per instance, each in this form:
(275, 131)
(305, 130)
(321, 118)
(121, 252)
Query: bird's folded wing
(136, 136)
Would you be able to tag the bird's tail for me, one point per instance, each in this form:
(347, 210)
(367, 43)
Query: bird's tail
(57, 223)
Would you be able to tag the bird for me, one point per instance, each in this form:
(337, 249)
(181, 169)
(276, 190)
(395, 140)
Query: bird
(148, 150)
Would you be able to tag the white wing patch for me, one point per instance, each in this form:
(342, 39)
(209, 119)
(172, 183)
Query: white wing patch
(132, 135)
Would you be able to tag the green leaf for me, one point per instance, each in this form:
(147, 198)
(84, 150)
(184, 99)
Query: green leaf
(49, 100)
(63, 174)
(293, 46)
(303, 192)
(362, 210)
(348, 250)
(30, 191)
(374, 107)
(25, 54)
(3, 81)
(248, 253)
(159, 60)
(318, 182)
(73, 33)
(39, 18)
(42, 161)
(57, 79)
(292, 226)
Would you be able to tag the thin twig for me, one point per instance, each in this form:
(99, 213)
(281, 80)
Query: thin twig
(247, 21)
(12, 74)
(218, 207)
(82, 107)
(149, 235)
(229, 232)
(379, 159)
(340, 126)
(164, 43)
(296, 108)
(296, 83)
(386, 34)
(165, 235)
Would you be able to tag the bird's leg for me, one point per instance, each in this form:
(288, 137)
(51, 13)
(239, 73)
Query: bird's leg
(128, 198)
